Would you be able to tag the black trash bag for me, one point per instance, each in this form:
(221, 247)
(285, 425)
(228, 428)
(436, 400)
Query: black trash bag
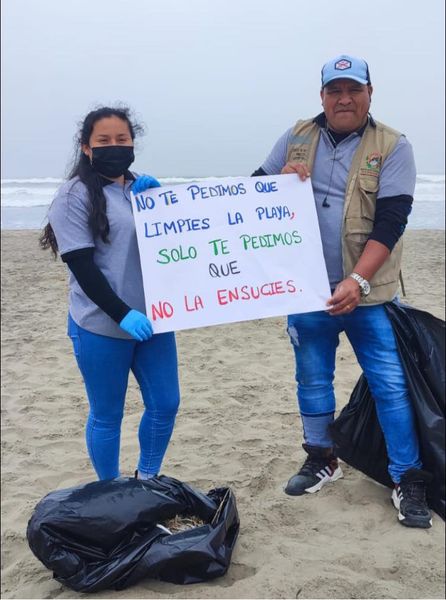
(105, 534)
(356, 432)
(358, 436)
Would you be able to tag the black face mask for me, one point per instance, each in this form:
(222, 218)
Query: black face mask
(112, 161)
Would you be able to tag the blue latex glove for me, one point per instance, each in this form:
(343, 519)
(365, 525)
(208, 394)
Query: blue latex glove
(143, 183)
(137, 325)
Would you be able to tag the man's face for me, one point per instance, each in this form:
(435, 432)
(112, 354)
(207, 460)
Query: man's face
(346, 104)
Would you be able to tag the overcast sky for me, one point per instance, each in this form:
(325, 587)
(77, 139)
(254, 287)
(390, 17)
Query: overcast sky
(215, 82)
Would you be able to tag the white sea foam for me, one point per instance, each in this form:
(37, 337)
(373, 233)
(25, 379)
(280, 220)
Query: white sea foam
(25, 202)
(24, 193)
(33, 180)
(433, 178)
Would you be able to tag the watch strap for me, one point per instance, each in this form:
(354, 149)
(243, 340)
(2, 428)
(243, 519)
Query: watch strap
(362, 282)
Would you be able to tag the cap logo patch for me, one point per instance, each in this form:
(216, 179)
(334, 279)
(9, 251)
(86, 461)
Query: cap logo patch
(343, 64)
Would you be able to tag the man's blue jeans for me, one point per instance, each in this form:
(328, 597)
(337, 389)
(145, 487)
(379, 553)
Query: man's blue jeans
(315, 337)
(105, 364)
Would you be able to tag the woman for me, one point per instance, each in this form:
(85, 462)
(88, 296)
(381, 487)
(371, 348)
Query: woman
(91, 226)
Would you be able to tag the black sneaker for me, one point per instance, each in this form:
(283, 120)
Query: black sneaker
(409, 498)
(319, 468)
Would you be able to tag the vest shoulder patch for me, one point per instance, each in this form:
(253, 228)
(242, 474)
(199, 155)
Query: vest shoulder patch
(300, 139)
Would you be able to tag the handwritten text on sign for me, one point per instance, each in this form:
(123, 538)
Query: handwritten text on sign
(232, 249)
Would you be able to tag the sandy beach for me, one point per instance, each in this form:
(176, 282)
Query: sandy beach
(238, 425)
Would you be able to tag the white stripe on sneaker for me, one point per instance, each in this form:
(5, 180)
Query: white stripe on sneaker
(324, 478)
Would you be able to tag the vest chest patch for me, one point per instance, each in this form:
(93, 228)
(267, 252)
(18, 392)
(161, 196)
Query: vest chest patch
(372, 166)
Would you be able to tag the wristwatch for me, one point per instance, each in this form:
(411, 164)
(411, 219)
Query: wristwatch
(364, 285)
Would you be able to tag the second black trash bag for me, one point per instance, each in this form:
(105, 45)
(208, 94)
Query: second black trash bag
(106, 534)
(356, 432)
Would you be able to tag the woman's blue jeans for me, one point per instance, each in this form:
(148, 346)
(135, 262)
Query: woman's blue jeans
(315, 337)
(105, 364)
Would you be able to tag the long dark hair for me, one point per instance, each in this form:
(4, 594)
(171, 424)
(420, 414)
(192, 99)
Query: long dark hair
(82, 169)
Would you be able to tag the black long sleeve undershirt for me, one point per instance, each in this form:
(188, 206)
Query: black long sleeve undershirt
(259, 172)
(391, 219)
(94, 283)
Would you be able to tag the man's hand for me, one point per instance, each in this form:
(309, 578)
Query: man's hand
(294, 167)
(347, 294)
(346, 297)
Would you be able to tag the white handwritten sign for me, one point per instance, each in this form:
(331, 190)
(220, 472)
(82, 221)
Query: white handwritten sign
(230, 249)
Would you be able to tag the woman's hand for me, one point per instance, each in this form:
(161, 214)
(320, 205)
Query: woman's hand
(143, 183)
(137, 325)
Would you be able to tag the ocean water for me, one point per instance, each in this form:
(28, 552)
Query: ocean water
(24, 202)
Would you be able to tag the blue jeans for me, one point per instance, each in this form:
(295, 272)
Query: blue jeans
(105, 364)
(315, 337)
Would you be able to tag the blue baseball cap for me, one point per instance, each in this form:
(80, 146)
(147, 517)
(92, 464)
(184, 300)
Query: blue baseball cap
(346, 67)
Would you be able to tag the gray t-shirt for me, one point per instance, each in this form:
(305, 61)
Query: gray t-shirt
(329, 179)
(118, 260)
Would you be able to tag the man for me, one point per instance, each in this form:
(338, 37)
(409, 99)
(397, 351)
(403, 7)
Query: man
(363, 178)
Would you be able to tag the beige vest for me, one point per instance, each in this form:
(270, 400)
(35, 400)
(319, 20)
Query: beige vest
(360, 199)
